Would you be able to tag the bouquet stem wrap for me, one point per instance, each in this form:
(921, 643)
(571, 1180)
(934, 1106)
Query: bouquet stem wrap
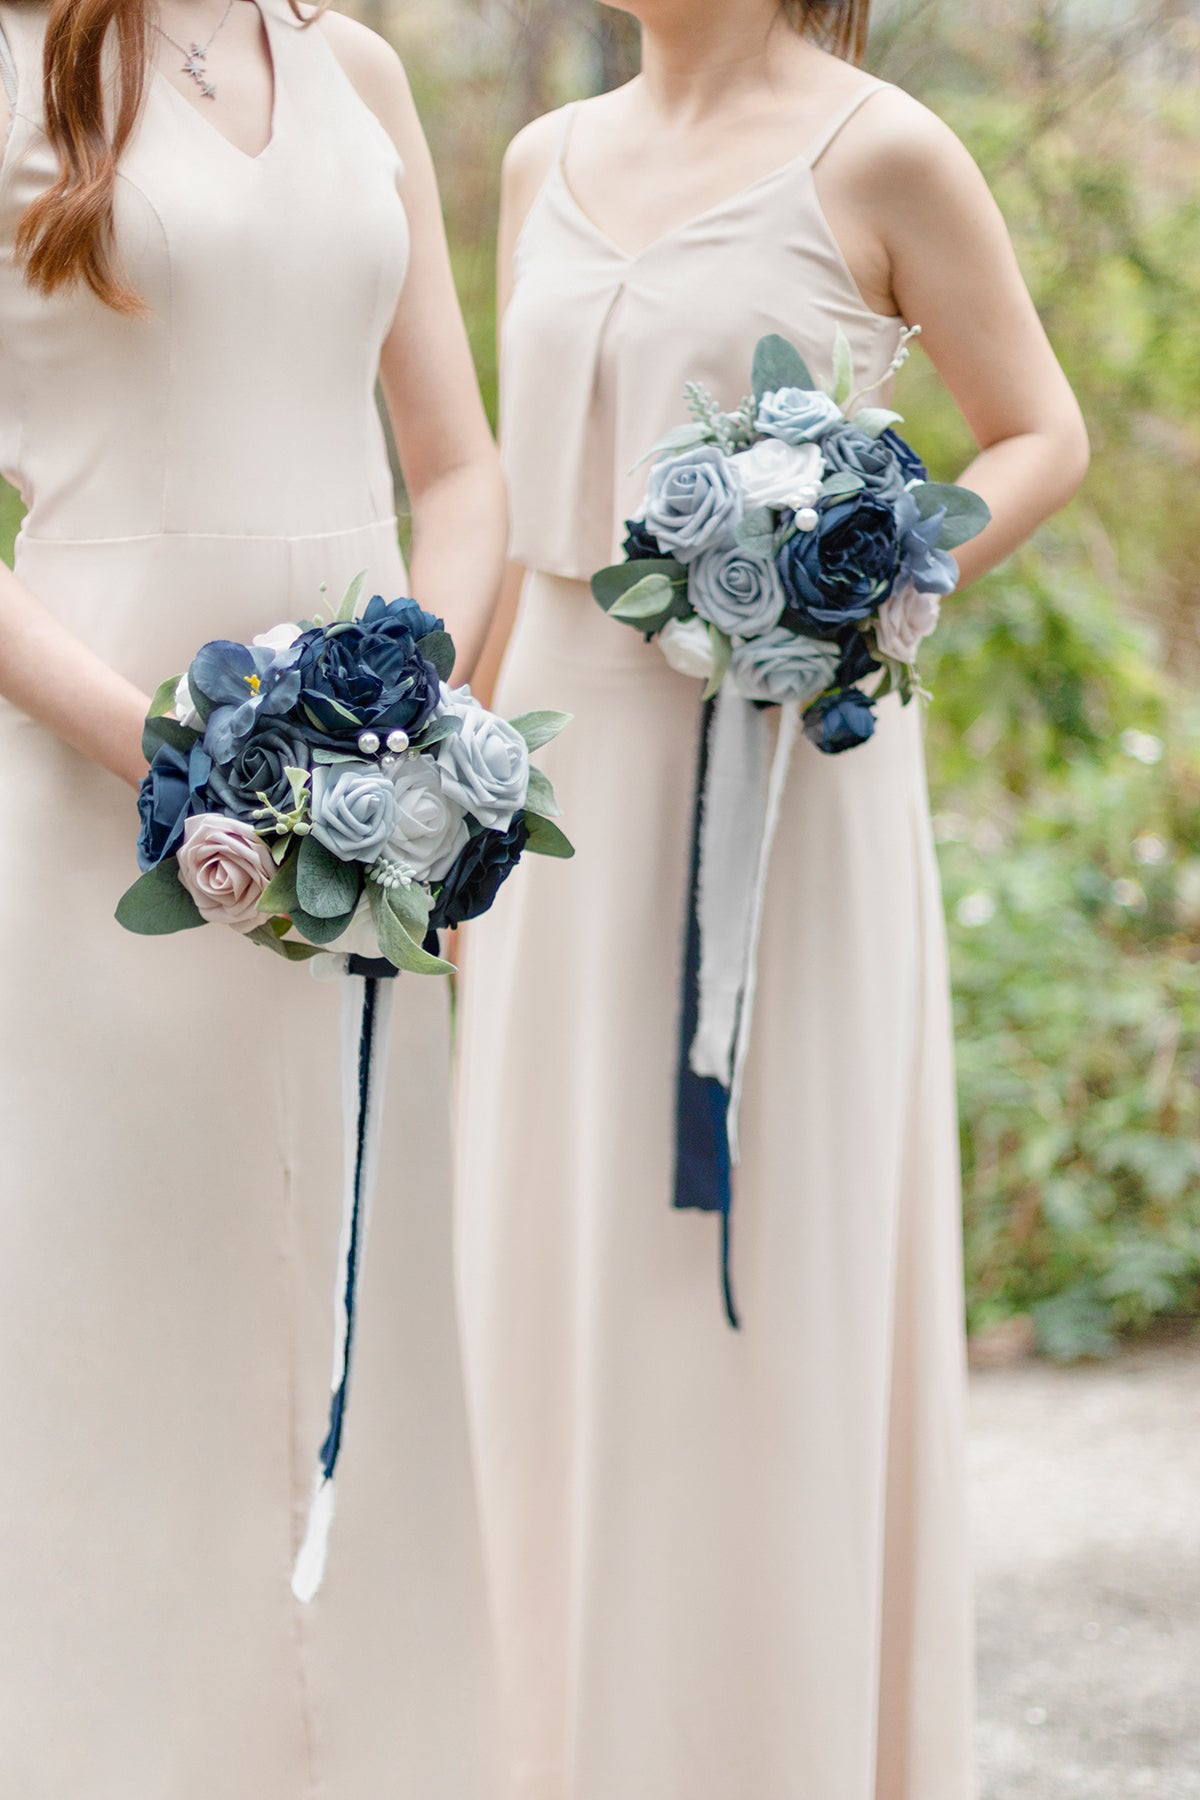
(366, 1020)
(739, 796)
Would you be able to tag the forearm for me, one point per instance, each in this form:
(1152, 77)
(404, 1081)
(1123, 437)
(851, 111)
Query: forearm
(47, 673)
(460, 530)
(1025, 481)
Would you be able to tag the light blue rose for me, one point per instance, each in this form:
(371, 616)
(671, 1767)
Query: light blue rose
(738, 593)
(694, 503)
(797, 415)
(485, 766)
(781, 666)
(353, 809)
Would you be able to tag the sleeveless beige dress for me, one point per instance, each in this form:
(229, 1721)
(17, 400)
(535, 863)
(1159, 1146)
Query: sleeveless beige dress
(724, 1566)
(170, 1152)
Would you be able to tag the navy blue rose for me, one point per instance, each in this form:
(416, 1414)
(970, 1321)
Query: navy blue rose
(906, 456)
(171, 791)
(641, 545)
(843, 569)
(848, 450)
(369, 675)
(857, 662)
(476, 877)
(257, 771)
(839, 721)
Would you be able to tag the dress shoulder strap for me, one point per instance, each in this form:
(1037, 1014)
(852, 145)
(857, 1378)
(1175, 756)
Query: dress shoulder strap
(570, 113)
(841, 117)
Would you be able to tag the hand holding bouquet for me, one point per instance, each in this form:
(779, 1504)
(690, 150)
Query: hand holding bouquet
(793, 549)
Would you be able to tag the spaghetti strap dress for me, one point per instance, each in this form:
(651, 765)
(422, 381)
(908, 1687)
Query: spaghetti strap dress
(722, 1563)
(170, 1122)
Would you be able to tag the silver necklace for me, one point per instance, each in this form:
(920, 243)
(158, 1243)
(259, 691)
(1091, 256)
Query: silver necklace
(193, 65)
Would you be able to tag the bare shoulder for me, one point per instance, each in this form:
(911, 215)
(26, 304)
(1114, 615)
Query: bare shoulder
(531, 154)
(372, 66)
(899, 153)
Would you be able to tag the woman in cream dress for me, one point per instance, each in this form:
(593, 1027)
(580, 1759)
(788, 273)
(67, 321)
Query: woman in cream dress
(726, 1566)
(170, 1152)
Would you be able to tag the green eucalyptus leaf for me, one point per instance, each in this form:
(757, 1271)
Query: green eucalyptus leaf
(966, 514)
(412, 905)
(538, 728)
(321, 931)
(653, 598)
(443, 726)
(437, 647)
(540, 796)
(545, 838)
(158, 903)
(269, 938)
(676, 442)
(401, 949)
(326, 887)
(159, 730)
(350, 599)
(843, 368)
(280, 894)
(778, 364)
(756, 533)
(611, 584)
(874, 420)
(841, 486)
(164, 697)
(722, 656)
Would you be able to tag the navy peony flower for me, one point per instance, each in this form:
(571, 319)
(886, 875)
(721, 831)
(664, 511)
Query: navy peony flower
(478, 874)
(910, 462)
(258, 770)
(369, 675)
(848, 450)
(170, 793)
(641, 545)
(840, 721)
(841, 570)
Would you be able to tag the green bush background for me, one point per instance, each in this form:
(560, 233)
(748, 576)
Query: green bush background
(1064, 738)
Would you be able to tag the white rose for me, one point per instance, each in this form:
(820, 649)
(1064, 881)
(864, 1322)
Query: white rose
(904, 619)
(688, 647)
(431, 828)
(776, 474)
(280, 637)
(185, 710)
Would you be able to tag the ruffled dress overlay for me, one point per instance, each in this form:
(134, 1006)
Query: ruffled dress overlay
(722, 1564)
(170, 1151)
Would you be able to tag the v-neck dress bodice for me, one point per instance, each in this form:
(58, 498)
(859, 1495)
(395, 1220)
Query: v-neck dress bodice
(599, 343)
(170, 1125)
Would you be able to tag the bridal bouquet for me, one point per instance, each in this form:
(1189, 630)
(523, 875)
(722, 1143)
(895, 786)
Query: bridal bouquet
(320, 790)
(794, 547)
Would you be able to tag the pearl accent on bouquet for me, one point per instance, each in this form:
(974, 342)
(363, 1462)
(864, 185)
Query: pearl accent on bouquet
(397, 741)
(368, 742)
(806, 519)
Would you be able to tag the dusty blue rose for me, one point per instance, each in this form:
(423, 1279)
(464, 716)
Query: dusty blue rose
(848, 450)
(840, 721)
(782, 666)
(258, 769)
(738, 593)
(353, 809)
(172, 790)
(843, 569)
(693, 503)
(485, 767)
(797, 415)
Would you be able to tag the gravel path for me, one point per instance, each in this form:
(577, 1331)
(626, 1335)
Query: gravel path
(1086, 1499)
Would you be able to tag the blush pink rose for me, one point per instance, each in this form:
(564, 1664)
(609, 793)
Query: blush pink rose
(904, 620)
(225, 866)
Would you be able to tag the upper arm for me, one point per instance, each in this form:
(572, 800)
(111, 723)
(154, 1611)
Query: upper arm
(953, 271)
(426, 369)
(527, 162)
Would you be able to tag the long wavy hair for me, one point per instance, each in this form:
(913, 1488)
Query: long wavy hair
(841, 25)
(66, 236)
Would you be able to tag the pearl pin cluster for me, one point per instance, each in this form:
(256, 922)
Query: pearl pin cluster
(397, 744)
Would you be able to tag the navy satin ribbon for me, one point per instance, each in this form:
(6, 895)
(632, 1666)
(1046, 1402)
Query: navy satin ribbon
(703, 1169)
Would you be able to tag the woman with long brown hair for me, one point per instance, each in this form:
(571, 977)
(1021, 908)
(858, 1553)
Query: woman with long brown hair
(727, 1565)
(219, 226)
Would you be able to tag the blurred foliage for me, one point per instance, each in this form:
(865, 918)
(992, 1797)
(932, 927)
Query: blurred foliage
(1065, 738)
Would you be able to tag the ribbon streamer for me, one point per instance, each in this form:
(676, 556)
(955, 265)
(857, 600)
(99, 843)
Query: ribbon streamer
(366, 1017)
(739, 799)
